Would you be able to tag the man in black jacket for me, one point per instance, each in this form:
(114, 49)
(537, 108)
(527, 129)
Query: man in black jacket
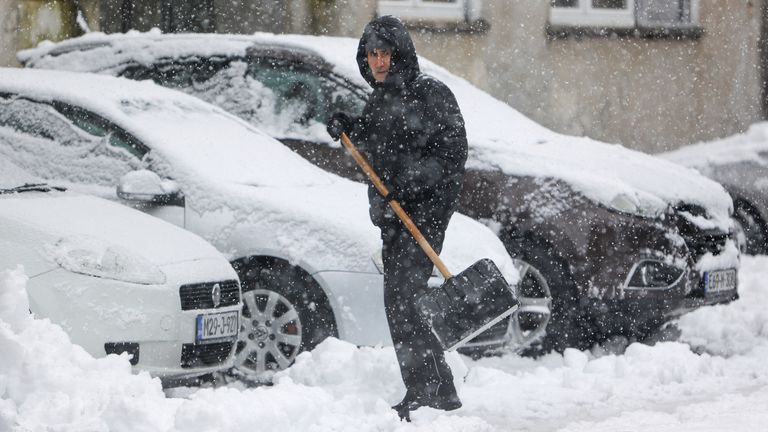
(412, 133)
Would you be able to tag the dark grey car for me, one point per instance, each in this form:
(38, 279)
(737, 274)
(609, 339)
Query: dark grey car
(740, 164)
(625, 242)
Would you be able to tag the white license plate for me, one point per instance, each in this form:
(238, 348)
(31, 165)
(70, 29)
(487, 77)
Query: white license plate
(217, 326)
(719, 281)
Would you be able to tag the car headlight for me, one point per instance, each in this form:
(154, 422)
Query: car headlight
(626, 203)
(94, 257)
(654, 274)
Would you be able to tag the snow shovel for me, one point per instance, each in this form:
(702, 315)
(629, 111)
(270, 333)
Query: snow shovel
(466, 304)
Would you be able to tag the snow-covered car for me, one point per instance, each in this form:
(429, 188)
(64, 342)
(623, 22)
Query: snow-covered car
(299, 238)
(624, 240)
(740, 164)
(118, 280)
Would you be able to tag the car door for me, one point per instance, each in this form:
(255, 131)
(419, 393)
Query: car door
(80, 149)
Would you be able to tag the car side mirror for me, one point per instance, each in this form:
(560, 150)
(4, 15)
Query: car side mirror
(147, 187)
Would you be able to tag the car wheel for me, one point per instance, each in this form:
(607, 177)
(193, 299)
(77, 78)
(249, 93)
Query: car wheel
(567, 326)
(750, 230)
(281, 317)
(529, 323)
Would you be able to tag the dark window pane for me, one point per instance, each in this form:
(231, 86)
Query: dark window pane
(99, 127)
(565, 3)
(304, 94)
(609, 4)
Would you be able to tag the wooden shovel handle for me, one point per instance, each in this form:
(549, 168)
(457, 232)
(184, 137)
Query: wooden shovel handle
(368, 170)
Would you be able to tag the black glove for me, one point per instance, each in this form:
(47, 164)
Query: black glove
(339, 123)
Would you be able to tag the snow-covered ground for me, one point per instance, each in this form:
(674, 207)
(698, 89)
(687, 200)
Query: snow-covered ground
(714, 378)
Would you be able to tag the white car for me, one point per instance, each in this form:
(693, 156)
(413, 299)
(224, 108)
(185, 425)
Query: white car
(299, 238)
(118, 280)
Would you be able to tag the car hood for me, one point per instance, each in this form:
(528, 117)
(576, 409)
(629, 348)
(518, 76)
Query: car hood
(68, 220)
(327, 227)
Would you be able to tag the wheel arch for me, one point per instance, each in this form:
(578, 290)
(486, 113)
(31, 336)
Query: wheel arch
(315, 292)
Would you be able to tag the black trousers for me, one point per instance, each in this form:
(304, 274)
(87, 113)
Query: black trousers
(406, 272)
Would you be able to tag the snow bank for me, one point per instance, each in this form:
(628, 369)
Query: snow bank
(48, 384)
(749, 146)
(737, 328)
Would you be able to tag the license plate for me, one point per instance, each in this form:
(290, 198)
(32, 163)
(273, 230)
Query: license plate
(217, 326)
(719, 281)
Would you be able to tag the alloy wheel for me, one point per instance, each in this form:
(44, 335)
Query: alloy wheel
(529, 322)
(270, 333)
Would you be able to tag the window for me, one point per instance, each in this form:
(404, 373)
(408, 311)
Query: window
(593, 13)
(303, 94)
(101, 128)
(666, 13)
(630, 14)
(77, 151)
(432, 10)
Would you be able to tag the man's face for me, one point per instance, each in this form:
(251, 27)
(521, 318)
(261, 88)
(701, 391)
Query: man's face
(379, 61)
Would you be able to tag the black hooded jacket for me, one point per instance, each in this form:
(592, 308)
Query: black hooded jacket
(411, 132)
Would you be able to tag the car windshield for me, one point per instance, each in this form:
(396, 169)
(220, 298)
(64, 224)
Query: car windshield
(214, 144)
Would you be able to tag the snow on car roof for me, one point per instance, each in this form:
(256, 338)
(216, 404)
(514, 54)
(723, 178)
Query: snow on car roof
(750, 145)
(500, 136)
(206, 138)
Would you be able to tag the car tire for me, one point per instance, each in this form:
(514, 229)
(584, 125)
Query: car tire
(568, 327)
(752, 227)
(284, 314)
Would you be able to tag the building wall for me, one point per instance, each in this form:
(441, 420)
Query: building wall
(649, 94)
(25, 23)
(9, 18)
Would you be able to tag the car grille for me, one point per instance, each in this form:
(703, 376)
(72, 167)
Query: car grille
(205, 355)
(706, 242)
(699, 241)
(200, 295)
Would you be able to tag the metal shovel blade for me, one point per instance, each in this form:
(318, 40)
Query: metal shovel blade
(468, 304)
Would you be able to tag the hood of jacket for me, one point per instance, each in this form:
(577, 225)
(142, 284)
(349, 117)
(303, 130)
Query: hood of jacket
(405, 64)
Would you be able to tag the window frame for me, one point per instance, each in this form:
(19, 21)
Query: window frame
(425, 10)
(586, 15)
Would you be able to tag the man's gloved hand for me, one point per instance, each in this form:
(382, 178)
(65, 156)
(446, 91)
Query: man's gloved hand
(395, 194)
(340, 122)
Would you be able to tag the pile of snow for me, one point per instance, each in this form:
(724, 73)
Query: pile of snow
(46, 383)
(738, 328)
(749, 146)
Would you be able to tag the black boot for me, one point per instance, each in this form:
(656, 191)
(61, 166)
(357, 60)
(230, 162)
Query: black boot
(403, 408)
(444, 398)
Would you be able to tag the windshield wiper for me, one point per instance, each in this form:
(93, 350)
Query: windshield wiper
(33, 187)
